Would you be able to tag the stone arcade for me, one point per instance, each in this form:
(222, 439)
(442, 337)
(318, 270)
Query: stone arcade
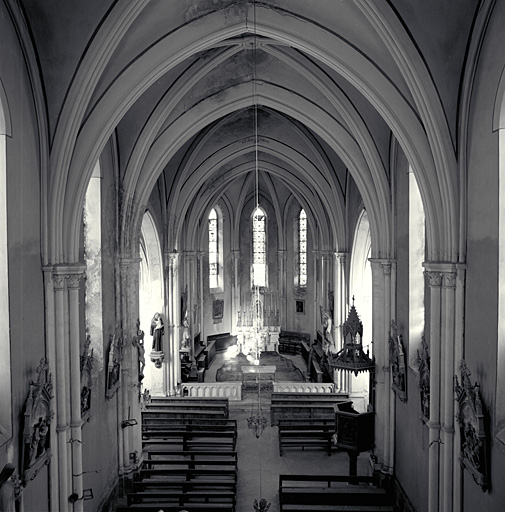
(244, 168)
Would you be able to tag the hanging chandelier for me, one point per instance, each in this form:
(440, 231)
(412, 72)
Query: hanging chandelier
(257, 422)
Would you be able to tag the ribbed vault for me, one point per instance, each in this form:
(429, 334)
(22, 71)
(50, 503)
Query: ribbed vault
(166, 91)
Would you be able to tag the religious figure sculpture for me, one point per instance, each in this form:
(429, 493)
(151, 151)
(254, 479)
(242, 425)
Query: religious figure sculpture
(157, 331)
(138, 343)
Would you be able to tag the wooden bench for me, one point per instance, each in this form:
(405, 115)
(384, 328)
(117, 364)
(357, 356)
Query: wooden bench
(188, 406)
(169, 413)
(192, 454)
(217, 422)
(184, 485)
(332, 493)
(153, 507)
(188, 474)
(300, 411)
(188, 439)
(306, 434)
(337, 397)
(190, 424)
(171, 497)
(190, 463)
(290, 342)
(160, 402)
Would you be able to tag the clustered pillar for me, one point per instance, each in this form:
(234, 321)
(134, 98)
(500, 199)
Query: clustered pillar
(63, 352)
(445, 355)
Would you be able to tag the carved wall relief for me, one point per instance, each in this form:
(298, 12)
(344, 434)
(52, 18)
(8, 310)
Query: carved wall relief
(114, 365)
(470, 416)
(86, 381)
(36, 449)
(397, 361)
(423, 360)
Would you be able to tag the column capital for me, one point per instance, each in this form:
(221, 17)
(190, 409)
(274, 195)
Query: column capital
(70, 274)
(435, 278)
(172, 257)
(340, 255)
(449, 279)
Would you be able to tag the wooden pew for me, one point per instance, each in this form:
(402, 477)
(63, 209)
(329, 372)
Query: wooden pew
(190, 458)
(154, 507)
(154, 484)
(157, 421)
(337, 397)
(306, 434)
(301, 411)
(160, 401)
(173, 414)
(188, 439)
(159, 426)
(332, 493)
(181, 498)
(188, 406)
(178, 474)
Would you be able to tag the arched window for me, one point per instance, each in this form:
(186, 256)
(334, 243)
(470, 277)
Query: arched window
(302, 249)
(214, 266)
(500, 379)
(93, 258)
(259, 266)
(417, 242)
(151, 272)
(361, 274)
(5, 360)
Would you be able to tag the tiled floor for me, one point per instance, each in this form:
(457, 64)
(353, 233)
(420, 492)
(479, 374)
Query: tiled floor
(259, 462)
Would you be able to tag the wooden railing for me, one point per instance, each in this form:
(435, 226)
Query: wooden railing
(231, 390)
(304, 387)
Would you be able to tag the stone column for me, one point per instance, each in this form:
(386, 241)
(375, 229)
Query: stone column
(73, 285)
(380, 335)
(435, 281)
(388, 426)
(172, 362)
(317, 276)
(236, 312)
(281, 288)
(201, 256)
(62, 386)
(130, 386)
(325, 277)
(51, 357)
(458, 356)
(447, 383)
(191, 277)
(341, 301)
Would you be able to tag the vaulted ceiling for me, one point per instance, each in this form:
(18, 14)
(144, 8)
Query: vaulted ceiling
(180, 84)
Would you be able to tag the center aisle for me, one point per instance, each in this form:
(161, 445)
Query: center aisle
(259, 462)
(263, 453)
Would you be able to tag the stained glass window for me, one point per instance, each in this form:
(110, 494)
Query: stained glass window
(259, 248)
(213, 249)
(302, 249)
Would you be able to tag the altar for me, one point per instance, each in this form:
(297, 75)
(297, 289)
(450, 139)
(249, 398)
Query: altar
(263, 373)
(258, 378)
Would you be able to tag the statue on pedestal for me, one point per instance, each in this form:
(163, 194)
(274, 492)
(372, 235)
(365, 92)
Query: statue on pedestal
(157, 331)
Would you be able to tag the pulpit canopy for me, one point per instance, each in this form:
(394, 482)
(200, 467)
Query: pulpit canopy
(352, 358)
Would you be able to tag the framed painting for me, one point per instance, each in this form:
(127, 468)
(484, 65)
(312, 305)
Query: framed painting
(300, 306)
(217, 309)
